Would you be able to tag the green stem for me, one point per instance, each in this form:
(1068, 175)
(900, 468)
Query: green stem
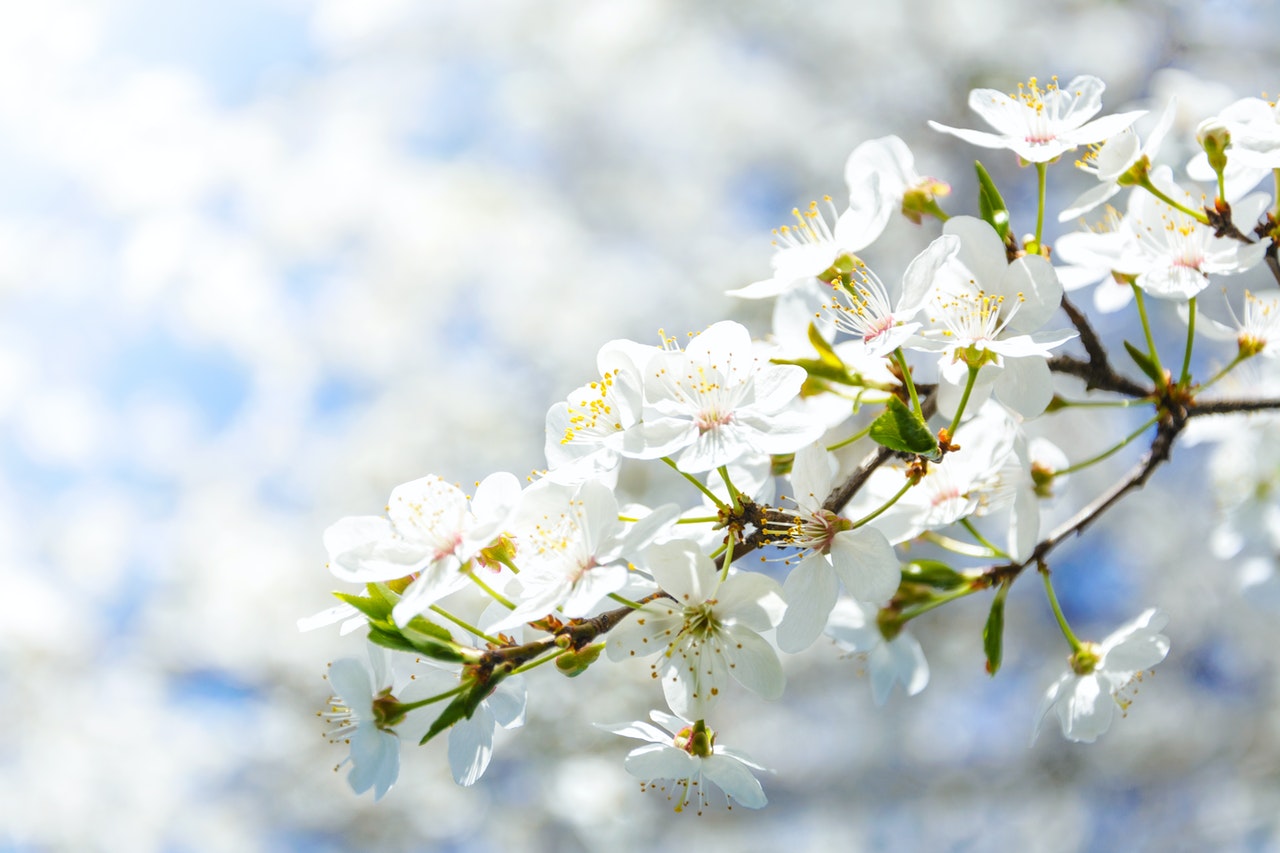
(901, 358)
(1146, 327)
(893, 500)
(1057, 611)
(1197, 215)
(696, 482)
(538, 662)
(1041, 170)
(406, 707)
(734, 494)
(1224, 371)
(464, 626)
(493, 593)
(982, 540)
(851, 439)
(947, 598)
(700, 520)
(1109, 451)
(964, 400)
(955, 545)
(728, 558)
(1126, 403)
(1185, 379)
(628, 602)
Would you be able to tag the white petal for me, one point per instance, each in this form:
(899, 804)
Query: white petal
(471, 746)
(753, 662)
(657, 761)
(867, 564)
(810, 590)
(1026, 385)
(735, 780)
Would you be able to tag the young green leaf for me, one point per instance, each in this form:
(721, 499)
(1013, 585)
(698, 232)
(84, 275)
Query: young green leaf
(991, 204)
(993, 631)
(1144, 362)
(901, 429)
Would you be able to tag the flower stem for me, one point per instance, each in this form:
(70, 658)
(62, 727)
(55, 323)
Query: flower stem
(893, 500)
(1185, 379)
(538, 662)
(1057, 610)
(982, 540)
(705, 519)
(1197, 215)
(697, 484)
(946, 598)
(728, 557)
(850, 440)
(955, 545)
(632, 604)
(1109, 451)
(1041, 170)
(1146, 327)
(1126, 403)
(734, 494)
(1223, 372)
(901, 358)
(493, 593)
(964, 400)
(440, 611)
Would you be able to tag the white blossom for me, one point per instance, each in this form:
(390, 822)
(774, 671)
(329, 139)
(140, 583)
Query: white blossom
(706, 632)
(1102, 678)
(689, 756)
(1039, 124)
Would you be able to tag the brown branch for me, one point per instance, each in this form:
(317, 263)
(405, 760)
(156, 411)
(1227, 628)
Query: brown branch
(1157, 454)
(1232, 407)
(1097, 376)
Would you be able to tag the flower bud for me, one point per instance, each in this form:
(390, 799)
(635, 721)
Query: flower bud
(1214, 137)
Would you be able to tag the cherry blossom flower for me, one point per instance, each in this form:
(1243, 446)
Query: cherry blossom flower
(588, 433)
(1102, 678)
(431, 530)
(899, 660)
(363, 713)
(1114, 156)
(867, 310)
(1256, 331)
(687, 754)
(1088, 257)
(1173, 254)
(1039, 124)
(861, 558)
(989, 474)
(709, 631)
(812, 247)
(889, 163)
(572, 549)
(987, 311)
(471, 740)
(716, 402)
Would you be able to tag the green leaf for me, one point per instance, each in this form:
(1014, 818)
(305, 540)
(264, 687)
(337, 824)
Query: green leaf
(826, 354)
(431, 640)
(991, 204)
(376, 609)
(463, 706)
(819, 369)
(993, 631)
(933, 573)
(1144, 362)
(391, 640)
(901, 429)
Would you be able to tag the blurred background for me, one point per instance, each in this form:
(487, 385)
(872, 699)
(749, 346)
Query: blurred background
(262, 261)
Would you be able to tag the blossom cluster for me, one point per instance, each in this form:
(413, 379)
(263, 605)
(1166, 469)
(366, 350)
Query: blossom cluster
(880, 414)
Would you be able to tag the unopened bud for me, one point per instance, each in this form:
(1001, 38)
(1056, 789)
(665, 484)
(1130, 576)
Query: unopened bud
(1214, 137)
